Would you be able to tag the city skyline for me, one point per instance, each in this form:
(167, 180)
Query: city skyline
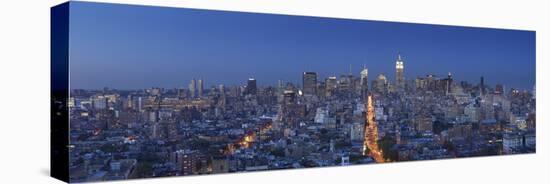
(272, 47)
(196, 85)
(300, 83)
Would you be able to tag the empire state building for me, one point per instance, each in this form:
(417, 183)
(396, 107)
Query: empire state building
(399, 77)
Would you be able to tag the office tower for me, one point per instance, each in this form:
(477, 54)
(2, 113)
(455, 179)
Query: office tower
(345, 84)
(482, 86)
(309, 80)
(200, 87)
(364, 79)
(449, 83)
(193, 88)
(381, 83)
(399, 78)
(431, 82)
(289, 97)
(251, 88)
(499, 89)
(364, 76)
(330, 85)
(331, 82)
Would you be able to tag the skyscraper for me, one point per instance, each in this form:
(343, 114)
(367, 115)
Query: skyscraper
(482, 86)
(345, 84)
(449, 83)
(330, 85)
(200, 87)
(251, 88)
(381, 83)
(364, 79)
(399, 78)
(192, 88)
(499, 89)
(309, 80)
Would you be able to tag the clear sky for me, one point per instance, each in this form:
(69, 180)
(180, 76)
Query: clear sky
(136, 47)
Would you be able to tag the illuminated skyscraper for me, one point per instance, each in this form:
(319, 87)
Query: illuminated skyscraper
(251, 87)
(449, 83)
(200, 86)
(193, 88)
(399, 78)
(330, 85)
(381, 83)
(309, 80)
(364, 79)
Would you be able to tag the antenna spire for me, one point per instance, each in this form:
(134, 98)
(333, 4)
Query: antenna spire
(399, 56)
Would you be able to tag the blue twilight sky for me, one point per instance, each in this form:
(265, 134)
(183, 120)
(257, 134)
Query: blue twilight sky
(135, 47)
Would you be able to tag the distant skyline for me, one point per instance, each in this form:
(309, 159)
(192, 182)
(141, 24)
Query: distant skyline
(136, 47)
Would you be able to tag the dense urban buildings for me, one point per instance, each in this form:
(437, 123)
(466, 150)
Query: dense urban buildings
(332, 121)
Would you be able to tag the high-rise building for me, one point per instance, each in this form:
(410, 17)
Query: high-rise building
(309, 80)
(449, 83)
(330, 85)
(381, 83)
(140, 104)
(200, 87)
(482, 86)
(499, 89)
(399, 77)
(431, 82)
(289, 97)
(364, 74)
(193, 88)
(345, 84)
(251, 87)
